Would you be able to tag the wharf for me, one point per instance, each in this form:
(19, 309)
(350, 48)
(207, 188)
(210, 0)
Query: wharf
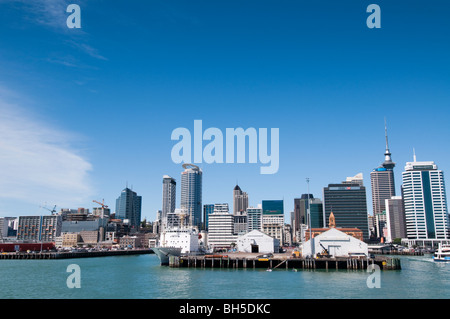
(68, 255)
(283, 262)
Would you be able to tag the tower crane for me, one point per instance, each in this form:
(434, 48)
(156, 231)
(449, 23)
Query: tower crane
(103, 206)
(53, 211)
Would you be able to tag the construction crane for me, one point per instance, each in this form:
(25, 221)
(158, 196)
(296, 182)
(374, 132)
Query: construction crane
(53, 211)
(103, 206)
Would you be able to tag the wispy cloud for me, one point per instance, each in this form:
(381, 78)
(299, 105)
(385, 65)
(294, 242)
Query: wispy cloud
(38, 164)
(52, 15)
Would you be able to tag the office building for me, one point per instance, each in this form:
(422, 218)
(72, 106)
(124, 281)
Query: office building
(221, 230)
(273, 218)
(395, 218)
(169, 195)
(301, 212)
(254, 218)
(240, 200)
(191, 194)
(425, 201)
(348, 203)
(128, 208)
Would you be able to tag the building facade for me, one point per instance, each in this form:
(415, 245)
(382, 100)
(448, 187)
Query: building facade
(395, 218)
(128, 207)
(240, 200)
(39, 228)
(348, 203)
(254, 218)
(425, 201)
(221, 230)
(168, 196)
(273, 219)
(191, 193)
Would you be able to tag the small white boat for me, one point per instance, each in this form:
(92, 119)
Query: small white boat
(442, 254)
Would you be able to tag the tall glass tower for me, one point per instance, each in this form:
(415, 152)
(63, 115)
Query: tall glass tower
(169, 196)
(425, 201)
(348, 203)
(128, 206)
(191, 193)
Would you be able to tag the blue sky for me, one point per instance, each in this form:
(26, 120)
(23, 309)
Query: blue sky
(86, 111)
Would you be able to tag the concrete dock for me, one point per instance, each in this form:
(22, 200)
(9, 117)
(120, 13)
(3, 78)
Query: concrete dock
(281, 261)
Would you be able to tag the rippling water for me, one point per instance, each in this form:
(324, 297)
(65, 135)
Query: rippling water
(141, 276)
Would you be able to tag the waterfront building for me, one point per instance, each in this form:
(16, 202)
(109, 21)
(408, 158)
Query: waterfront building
(39, 228)
(257, 242)
(383, 188)
(348, 203)
(168, 197)
(425, 201)
(337, 243)
(395, 218)
(240, 200)
(351, 231)
(254, 218)
(128, 208)
(221, 230)
(191, 194)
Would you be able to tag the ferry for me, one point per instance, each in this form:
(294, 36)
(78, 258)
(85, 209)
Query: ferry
(442, 254)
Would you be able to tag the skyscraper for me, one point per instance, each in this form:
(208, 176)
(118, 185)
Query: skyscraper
(383, 185)
(191, 193)
(240, 200)
(128, 207)
(168, 196)
(348, 203)
(425, 201)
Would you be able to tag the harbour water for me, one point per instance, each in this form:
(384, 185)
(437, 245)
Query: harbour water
(141, 277)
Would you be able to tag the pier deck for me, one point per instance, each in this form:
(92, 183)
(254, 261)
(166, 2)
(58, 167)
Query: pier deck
(283, 262)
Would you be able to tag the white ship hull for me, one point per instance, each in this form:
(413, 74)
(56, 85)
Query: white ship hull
(164, 253)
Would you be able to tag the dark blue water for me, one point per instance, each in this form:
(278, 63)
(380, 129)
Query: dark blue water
(141, 276)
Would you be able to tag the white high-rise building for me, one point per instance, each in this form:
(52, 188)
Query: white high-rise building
(425, 202)
(221, 229)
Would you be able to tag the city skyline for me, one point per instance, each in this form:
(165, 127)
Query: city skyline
(83, 111)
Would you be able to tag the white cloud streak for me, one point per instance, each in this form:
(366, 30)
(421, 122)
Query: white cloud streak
(37, 163)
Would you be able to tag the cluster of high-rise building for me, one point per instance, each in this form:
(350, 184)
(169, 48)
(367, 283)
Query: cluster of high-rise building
(418, 215)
